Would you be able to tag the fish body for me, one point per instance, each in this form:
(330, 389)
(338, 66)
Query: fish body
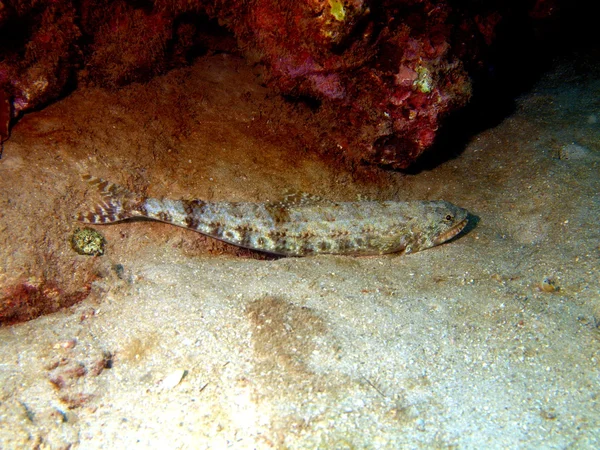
(298, 226)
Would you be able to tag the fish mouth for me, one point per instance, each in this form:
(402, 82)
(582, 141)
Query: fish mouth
(452, 232)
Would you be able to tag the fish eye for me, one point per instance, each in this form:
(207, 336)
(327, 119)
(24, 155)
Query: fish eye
(449, 218)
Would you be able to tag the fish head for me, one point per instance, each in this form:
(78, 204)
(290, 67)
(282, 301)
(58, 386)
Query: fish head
(437, 222)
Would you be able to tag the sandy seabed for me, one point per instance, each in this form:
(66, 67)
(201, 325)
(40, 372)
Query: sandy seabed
(489, 341)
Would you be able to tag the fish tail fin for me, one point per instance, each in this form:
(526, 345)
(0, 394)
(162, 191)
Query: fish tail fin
(117, 203)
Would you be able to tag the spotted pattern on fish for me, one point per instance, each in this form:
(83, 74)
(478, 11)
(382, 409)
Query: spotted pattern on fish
(299, 226)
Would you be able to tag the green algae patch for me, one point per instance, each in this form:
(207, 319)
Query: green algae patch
(424, 81)
(337, 9)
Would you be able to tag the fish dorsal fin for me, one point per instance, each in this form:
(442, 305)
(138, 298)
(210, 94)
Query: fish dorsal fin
(365, 198)
(296, 199)
(106, 188)
(117, 203)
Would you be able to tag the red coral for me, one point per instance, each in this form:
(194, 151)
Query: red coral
(5, 116)
(385, 79)
(37, 73)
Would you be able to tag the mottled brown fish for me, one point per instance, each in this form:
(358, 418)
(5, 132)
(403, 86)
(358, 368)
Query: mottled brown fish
(299, 226)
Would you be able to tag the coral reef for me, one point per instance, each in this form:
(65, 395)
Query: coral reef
(384, 76)
(385, 73)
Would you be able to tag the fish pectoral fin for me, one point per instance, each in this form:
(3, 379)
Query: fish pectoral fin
(117, 203)
(102, 213)
(388, 244)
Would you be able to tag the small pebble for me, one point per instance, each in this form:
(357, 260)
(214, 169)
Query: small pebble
(548, 285)
(66, 344)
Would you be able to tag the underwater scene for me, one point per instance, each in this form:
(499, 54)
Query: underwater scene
(364, 237)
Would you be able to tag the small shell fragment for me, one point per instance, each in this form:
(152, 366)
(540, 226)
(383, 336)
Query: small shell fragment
(173, 379)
